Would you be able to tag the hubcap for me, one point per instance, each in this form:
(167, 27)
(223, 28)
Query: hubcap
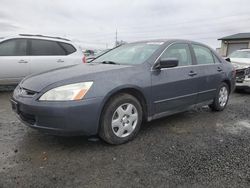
(223, 96)
(124, 120)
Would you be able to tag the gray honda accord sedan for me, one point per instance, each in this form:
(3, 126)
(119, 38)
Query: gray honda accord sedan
(116, 92)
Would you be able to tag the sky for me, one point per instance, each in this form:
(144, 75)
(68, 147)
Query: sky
(93, 23)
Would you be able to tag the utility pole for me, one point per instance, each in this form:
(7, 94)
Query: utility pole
(116, 42)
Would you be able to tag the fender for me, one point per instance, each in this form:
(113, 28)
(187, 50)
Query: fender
(120, 88)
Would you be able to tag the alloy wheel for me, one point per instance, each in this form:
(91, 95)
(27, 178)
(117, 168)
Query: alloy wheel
(223, 96)
(124, 120)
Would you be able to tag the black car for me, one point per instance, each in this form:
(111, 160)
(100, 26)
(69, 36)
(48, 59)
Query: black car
(117, 91)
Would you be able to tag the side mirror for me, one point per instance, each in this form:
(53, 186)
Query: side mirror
(166, 63)
(228, 59)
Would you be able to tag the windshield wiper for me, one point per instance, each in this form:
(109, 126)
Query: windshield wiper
(110, 62)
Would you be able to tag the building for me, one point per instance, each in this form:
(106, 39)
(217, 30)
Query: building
(234, 42)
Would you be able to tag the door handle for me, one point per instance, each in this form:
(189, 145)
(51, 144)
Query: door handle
(22, 61)
(192, 73)
(219, 69)
(60, 61)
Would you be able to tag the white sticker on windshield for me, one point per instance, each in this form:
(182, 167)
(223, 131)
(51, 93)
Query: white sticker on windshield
(155, 43)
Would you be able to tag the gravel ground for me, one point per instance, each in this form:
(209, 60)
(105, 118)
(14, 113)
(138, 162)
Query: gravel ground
(197, 148)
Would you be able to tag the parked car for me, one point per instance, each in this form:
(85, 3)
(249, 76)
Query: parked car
(241, 60)
(24, 54)
(97, 54)
(117, 91)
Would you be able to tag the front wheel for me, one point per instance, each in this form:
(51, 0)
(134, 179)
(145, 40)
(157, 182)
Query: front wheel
(121, 119)
(221, 98)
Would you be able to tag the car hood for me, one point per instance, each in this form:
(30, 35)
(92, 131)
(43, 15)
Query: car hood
(82, 72)
(240, 63)
(240, 60)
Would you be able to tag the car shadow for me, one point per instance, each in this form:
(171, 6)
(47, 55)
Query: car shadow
(34, 137)
(242, 91)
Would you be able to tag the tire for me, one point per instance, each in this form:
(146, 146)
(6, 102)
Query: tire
(221, 98)
(121, 119)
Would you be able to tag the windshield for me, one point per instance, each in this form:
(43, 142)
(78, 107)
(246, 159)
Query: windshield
(240, 54)
(129, 53)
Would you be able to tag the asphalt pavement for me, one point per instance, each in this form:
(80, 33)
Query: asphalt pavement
(198, 148)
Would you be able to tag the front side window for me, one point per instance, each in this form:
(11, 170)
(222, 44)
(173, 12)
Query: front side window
(180, 52)
(130, 53)
(13, 47)
(45, 48)
(203, 55)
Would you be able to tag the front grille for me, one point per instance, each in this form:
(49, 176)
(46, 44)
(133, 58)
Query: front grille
(241, 74)
(247, 71)
(29, 92)
(24, 92)
(30, 119)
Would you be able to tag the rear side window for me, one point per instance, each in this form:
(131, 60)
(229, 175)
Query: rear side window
(68, 48)
(14, 47)
(46, 48)
(203, 55)
(216, 59)
(180, 52)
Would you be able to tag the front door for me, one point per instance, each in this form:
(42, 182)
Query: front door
(175, 88)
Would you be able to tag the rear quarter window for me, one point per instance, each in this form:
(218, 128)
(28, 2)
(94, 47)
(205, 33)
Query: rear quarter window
(69, 49)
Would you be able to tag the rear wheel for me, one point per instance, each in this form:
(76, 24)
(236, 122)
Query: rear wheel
(221, 99)
(121, 119)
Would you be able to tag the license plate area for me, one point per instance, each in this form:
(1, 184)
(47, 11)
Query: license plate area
(247, 72)
(15, 106)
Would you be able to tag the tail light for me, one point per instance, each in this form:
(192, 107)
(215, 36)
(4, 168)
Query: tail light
(84, 60)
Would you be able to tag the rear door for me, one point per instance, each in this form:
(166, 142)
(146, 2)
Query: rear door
(45, 55)
(210, 70)
(175, 88)
(73, 56)
(14, 65)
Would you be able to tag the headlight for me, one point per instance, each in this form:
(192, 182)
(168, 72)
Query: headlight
(240, 66)
(71, 92)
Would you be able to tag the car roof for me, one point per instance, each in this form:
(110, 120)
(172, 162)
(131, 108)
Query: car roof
(168, 41)
(42, 37)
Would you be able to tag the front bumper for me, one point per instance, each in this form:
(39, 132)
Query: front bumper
(59, 118)
(244, 84)
(243, 78)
